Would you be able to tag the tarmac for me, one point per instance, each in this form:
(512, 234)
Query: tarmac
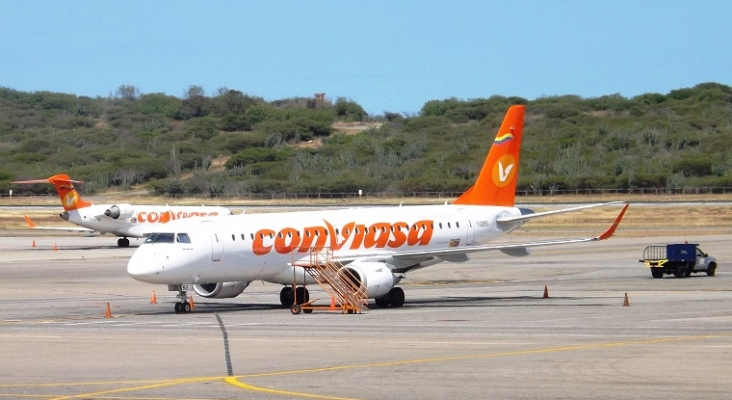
(480, 329)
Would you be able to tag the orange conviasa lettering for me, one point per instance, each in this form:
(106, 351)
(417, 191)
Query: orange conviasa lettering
(317, 233)
(358, 234)
(400, 235)
(258, 246)
(281, 241)
(378, 235)
(345, 233)
(420, 233)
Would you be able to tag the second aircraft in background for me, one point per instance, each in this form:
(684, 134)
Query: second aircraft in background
(121, 219)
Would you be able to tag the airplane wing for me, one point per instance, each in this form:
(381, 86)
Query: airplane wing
(526, 217)
(517, 248)
(54, 228)
(513, 249)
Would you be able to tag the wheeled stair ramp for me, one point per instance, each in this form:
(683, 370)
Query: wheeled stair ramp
(346, 293)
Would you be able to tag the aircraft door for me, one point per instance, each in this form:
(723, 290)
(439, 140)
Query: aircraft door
(217, 244)
(470, 228)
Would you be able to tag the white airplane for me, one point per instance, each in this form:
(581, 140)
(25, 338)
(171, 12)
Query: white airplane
(219, 257)
(123, 220)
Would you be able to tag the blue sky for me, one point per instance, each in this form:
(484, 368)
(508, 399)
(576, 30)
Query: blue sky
(386, 55)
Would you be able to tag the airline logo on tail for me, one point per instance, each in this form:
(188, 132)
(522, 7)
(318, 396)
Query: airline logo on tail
(70, 199)
(502, 171)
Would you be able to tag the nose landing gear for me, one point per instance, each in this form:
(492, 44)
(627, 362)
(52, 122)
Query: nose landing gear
(183, 306)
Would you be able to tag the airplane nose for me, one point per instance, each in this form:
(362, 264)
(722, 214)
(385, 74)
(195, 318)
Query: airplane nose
(144, 267)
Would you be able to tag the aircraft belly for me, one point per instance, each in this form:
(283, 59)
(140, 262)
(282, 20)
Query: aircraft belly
(231, 268)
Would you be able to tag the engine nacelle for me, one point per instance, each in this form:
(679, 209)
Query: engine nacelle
(220, 290)
(122, 211)
(375, 276)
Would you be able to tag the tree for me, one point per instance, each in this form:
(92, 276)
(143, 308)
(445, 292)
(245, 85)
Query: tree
(348, 110)
(128, 92)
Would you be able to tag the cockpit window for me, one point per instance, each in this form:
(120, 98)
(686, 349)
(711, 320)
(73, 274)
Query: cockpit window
(183, 238)
(160, 238)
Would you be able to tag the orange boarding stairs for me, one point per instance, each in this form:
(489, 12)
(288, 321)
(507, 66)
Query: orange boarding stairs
(347, 295)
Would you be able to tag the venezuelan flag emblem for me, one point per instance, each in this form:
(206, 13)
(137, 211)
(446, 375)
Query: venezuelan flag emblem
(506, 137)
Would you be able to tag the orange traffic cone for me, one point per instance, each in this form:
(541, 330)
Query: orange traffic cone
(190, 303)
(153, 299)
(546, 292)
(34, 244)
(332, 304)
(108, 314)
(55, 248)
(626, 303)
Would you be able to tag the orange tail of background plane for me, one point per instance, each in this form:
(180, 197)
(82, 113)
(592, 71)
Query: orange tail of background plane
(496, 183)
(70, 198)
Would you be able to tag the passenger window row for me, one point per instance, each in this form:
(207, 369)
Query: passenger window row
(345, 231)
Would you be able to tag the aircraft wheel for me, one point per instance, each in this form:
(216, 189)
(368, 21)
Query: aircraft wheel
(123, 242)
(383, 301)
(302, 295)
(295, 309)
(178, 308)
(286, 298)
(186, 308)
(396, 297)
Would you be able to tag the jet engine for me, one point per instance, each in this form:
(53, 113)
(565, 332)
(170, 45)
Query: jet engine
(220, 290)
(122, 211)
(375, 276)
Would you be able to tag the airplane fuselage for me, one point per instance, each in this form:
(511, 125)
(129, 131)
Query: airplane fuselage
(141, 220)
(264, 246)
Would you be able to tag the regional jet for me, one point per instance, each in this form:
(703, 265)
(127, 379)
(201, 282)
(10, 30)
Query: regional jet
(374, 247)
(122, 219)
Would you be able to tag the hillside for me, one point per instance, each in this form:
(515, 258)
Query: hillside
(235, 144)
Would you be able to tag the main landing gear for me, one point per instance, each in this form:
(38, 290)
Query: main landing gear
(287, 299)
(182, 306)
(123, 242)
(394, 298)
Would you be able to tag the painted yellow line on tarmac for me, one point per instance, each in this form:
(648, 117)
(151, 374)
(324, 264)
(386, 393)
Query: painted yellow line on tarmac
(46, 396)
(235, 379)
(141, 385)
(72, 384)
(159, 384)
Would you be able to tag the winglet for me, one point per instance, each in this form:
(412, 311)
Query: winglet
(496, 183)
(30, 221)
(614, 226)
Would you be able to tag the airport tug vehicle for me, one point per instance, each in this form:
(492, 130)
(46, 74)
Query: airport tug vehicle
(681, 260)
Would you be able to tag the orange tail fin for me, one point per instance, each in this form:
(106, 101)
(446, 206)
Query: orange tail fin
(70, 198)
(496, 183)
